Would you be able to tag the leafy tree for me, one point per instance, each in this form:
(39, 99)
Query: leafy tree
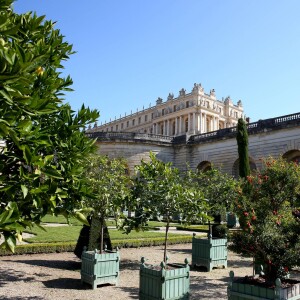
(242, 142)
(220, 189)
(109, 186)
(268, 217)
(159, 190)
(41, 164)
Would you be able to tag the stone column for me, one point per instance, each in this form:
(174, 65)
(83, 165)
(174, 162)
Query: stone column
(189, 122)
(176, 126)
(180, 124)
(204, 128)
(216, 123)
(168, 127)
(199, 119)
(194, 123)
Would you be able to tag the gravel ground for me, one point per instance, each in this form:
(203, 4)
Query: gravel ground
(57, 276)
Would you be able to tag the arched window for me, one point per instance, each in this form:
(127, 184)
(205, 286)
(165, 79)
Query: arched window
(292, 155)
(204, 166)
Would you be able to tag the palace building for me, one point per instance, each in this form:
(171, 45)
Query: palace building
(187, 114)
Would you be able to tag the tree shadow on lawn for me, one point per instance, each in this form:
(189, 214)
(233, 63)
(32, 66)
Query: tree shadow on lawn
(54, 264)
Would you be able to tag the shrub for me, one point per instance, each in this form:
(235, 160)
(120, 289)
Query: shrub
(266, 209)
(220, 231)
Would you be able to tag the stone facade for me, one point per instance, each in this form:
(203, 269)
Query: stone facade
(272, 137)
(188, 114)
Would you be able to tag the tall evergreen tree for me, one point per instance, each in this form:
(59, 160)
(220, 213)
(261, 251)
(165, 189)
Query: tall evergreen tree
(242, 142)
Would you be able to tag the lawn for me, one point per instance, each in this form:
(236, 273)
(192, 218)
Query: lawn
(71, 233)
(73, 221)
(62, 220)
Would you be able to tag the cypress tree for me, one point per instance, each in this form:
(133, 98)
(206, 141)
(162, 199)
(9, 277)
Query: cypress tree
(242, 142)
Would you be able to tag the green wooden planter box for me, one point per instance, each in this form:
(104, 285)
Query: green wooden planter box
(209, 253)
(161, 283)
(242, 291)
(100, 268)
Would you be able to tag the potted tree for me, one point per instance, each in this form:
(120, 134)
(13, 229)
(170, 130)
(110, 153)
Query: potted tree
(270, 232)
(220, 191)
(160, 190)
(108, 186)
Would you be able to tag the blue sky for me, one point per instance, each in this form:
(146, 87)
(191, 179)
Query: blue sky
(131, 52)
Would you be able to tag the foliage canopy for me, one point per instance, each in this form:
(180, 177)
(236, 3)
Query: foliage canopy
(269, 218)
(41, 163)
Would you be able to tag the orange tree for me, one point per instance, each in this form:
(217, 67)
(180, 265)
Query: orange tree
(160, 190)
(267, 211)
(109, 186)
(41, 162)
(220, 190)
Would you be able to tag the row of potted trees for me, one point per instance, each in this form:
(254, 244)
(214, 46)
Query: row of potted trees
(264, 202)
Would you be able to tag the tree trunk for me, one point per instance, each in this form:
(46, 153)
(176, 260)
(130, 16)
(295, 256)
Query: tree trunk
(166, 240)
(95, 236)
(102, 221)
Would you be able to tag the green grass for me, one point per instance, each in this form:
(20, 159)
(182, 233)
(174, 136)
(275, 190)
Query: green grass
(71, 233)
(73, 221)
(201, 227)
(161, 224)
(62, 220)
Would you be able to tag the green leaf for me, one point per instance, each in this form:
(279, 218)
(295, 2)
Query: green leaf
(11, 242)
(24, 190)
(27, 154)
(14, 137)
(3, 130)
(5, 216)
(80, 217)
(25, 125)
(52, 173)
(6, 96)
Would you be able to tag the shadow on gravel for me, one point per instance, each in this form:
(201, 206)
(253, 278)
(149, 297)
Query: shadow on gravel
(187, 251)
(129, 264)
(203, 288)
(133, 292)
(54, 264)
(240, 263)
(22, 298)
(66, 284)
(10, 275)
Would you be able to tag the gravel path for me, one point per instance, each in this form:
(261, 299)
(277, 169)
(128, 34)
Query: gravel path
(57, 276)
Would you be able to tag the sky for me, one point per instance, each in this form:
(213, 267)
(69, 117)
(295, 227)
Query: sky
(130, 52)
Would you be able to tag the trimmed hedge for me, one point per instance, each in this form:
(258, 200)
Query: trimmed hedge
(41, 248)
(36, 248)
(195, 229)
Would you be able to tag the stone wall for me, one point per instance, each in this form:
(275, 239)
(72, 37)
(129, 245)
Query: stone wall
(272, 137)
